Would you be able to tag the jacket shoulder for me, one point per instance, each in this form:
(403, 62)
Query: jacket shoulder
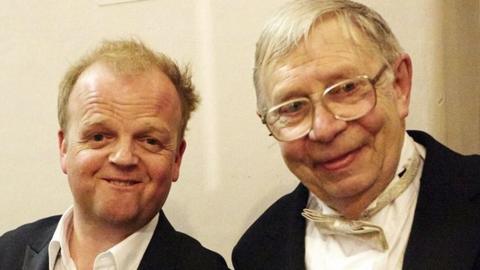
(170, 249)
(197, 255)
(461, 172)
(13, 243)
(284, 208)
(447, 213)
(274, 234)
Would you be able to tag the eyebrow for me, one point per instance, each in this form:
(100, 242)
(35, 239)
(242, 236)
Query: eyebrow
(286, 93)
(91, 126)
(144, 129)
(339, 73)
(95, 120)
(153, 129)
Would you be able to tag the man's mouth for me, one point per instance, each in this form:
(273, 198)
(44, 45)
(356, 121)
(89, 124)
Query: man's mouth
(122, 183)
(340, 162)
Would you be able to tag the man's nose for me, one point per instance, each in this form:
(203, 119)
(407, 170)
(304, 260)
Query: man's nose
(123, 153)
(325, 126)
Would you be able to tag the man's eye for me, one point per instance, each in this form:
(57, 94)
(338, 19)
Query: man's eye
(152, 141)
(97, 140)
(152, 144)
(292, 107)
(98, 137)
(349, 87)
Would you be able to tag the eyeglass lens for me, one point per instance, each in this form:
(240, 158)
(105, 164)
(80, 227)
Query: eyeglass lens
(347, 100)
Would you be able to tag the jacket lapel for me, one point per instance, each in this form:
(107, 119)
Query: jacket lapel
(445, 232)
(36, 253)
(160, 253)
(292, 250)
(35, 260)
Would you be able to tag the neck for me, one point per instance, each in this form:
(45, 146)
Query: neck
(88, 239)
(353, 207)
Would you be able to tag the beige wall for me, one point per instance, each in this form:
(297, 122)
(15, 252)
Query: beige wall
(232, 170)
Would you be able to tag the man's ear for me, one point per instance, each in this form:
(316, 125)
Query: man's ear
(62, 147)
(402, 83)
(178, 160)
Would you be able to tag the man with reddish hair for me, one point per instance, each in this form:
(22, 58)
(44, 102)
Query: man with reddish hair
(123, 110)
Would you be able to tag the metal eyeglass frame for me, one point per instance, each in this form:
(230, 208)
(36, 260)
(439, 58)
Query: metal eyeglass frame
(373, 81)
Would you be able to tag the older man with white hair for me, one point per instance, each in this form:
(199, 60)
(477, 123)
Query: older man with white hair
(333, 88)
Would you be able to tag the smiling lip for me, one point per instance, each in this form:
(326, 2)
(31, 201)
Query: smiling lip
(340, 162)
(122, 182)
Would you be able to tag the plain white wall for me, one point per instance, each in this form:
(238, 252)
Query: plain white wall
(231, 170)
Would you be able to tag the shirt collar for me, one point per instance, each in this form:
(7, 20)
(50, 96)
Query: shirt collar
(59, 242)
(126, 255)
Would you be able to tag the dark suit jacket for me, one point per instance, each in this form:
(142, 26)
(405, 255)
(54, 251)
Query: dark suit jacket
(27, 248)
(445, 232)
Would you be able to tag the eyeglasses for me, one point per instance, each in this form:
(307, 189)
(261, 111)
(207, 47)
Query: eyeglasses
(346, 100)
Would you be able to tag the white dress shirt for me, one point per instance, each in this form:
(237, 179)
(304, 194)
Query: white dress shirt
(125, 255)
(344, 252)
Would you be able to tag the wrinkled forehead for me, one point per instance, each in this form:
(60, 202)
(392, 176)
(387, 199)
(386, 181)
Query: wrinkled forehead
(149, 91)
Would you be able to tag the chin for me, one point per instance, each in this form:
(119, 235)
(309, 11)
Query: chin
(352, 186)
(118, 214)
(118, 218)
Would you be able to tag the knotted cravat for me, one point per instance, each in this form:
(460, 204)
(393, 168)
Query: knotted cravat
(363, 230)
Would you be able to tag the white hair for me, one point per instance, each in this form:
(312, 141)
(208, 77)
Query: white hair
(292, 23)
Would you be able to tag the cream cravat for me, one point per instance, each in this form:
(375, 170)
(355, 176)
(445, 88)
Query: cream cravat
(369, 233)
